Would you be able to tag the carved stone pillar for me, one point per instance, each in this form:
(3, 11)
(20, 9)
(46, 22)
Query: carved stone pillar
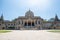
(37, 21)
(31, 23)
(34, 23)
(27, 23)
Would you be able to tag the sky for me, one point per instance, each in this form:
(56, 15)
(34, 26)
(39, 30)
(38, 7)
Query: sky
(46, 9)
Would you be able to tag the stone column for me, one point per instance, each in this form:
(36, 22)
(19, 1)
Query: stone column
(37, 21)
(27, 23)
(23, 23)
(34, 23)
(31, 23)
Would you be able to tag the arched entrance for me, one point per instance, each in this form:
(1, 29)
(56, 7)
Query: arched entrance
(33, 24)
(29, 24)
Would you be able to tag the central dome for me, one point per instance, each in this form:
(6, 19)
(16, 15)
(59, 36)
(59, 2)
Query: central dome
(29, 14)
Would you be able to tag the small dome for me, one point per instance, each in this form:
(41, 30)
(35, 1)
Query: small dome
(29, 14)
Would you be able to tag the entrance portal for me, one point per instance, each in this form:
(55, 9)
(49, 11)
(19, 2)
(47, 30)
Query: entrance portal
(29, 24)
(33, 24)
(25, 24)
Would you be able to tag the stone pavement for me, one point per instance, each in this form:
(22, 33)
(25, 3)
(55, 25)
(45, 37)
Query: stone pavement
(30, 35)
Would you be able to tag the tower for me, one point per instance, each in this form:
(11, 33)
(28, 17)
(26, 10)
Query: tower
(56, 18)
(1, 18)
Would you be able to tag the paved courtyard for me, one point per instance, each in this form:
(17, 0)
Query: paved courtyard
(30, 35)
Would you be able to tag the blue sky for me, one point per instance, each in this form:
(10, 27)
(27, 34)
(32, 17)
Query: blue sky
(46, 9)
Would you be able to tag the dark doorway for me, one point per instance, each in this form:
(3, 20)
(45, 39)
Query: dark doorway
(29, 23)
(33, 24)
(25, 24)
(3, 27)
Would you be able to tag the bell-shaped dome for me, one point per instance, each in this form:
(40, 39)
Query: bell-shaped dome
(29, 14)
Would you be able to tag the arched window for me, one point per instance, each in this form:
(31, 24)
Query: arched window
(38, 22)
(19, 22)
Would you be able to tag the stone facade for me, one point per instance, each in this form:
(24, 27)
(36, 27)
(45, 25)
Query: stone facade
(27, 22)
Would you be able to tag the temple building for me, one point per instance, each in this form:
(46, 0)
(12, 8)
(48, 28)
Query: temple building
(29, 22)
